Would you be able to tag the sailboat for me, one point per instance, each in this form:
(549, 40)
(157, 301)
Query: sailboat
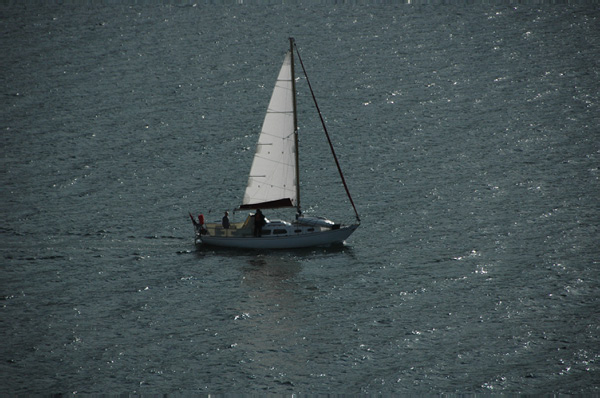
(273, 182)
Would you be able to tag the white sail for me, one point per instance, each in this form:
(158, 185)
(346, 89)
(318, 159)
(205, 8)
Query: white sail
(272, 180)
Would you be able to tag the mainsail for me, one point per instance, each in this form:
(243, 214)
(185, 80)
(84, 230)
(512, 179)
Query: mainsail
(273, 181)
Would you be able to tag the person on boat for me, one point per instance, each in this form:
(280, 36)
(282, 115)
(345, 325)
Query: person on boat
(225, 221)
(199, 225)
(259, 222)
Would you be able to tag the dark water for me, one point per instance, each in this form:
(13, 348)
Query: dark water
(470, 140)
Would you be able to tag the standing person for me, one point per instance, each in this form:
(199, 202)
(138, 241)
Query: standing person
(199, 225)
(259, 222)
(225, 221)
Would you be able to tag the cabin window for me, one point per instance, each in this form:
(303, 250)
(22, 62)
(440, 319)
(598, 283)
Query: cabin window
(297, 231)
(311, 230)
(266, 232)
(279, 231)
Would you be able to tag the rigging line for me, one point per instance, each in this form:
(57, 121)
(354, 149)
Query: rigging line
(327, 134)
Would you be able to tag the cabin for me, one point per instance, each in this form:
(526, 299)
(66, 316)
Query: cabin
(274, 228)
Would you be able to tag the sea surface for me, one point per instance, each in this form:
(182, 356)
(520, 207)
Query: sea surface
(469, 137)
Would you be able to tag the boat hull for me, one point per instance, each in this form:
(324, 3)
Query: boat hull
(317, 238)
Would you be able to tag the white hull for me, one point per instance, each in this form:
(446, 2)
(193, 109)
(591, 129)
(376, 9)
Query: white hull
(317, 238)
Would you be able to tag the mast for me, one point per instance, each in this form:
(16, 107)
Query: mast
(295, 128)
